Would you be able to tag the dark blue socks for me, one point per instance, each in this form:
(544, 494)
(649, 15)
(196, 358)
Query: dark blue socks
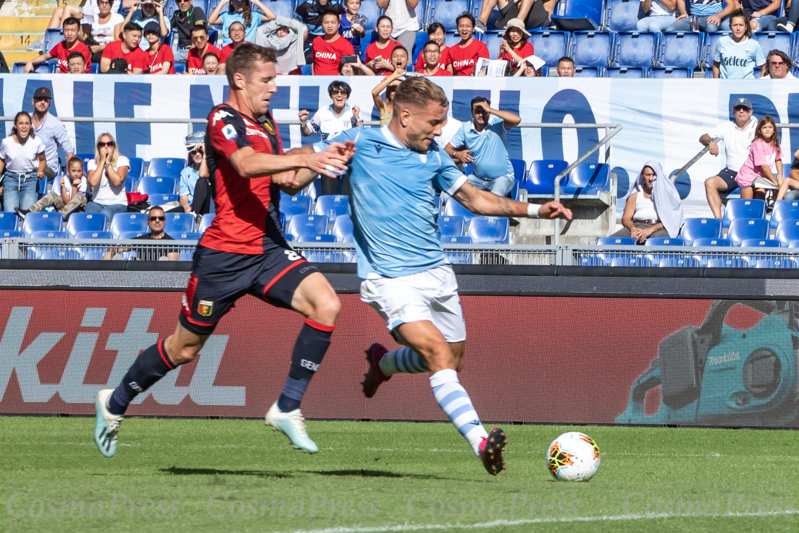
(151, 365)
(308, 352)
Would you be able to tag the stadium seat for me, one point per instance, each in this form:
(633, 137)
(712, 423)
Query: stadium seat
(50, 252)
(283, 8)
(453, 208)
(664, 241)
(636, 49)
(625, 72)
(295, 205)
(704, 241)
(616, 241)
(457, 257)
(631, 261)
(205, 222)
(342, 227)
(372, 12)
(492, 40)
(787, 231)
(772, 262)
(179, 223)
(319, 255)
(127, 235)
(128, 222)
(747, 228)
(41, 68)
(588, 179)
(591, 261)
(699, 228)
(711, 40)
(591, 48)
(438, 204)
(587, 72)
(727, 262)
(774, 40)
(622, 15)
(86, 158)
(445, 11)
(572, 15)
(679, 262)
(519, 169)
(542, 174)
(680, 49)
(451, 226)
(180, 68)
(550, 45)
(760, 243)
(162, 199)
(740, 208)
(166, 167)
(152, 185)
(670, 72)
(11, 234)
(82, 222)
(52, 37)
(91, 253)
(42, 221)
(783, 210)
(136, 171)
(44, 234)
(489, 230)
(304, 224)
(315, 237)
(8, 221)
(332, 206)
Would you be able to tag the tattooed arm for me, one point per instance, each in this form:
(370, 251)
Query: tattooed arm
(488, 204)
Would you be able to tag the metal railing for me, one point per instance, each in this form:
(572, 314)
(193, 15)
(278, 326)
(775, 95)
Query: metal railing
(684, 256)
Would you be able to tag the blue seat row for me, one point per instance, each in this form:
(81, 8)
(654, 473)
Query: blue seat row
(586, 179)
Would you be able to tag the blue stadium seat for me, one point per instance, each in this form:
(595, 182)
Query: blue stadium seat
(87, 253)
(591, 48)
(52, 37)
(90, 222)
(44, 234)
(775, 40)
(86, 158)
(793, 244)
(319, 256)
(445, 11)
(418, 44)
(132, 234)
(315, 237)
(571, 15)
(783, 210)
(631, 261)
(451, 38)
(128, 222)
(711, 40)
(706, 241)
(740, 208)
(289, 237)
(455, 208)
(680, 49)
(542, 174)
(205, 222)
(489, 230)
(727, 262)
(295, 205)
(422, 13)
(591, 261)
(153, 185)
(622, 15)
(166, 167)
(588, 179)
(41, 68)
(747, 228)
(636, 49)
(550, 45)
(626, 72)
(760, 243)
(616, 241)
(772, 262)
(42, 221)
(698, 228)
(664, 241)
(492, 40)
(11, 234)
(451, 226)
(519, 169)
(679, 262)
(186, 236)
(332, 206)
(136, 171)
(284, 8)
(671, 72)
(787, 231)
(457, 257)
(302, 224)
(587, 72)
(162, 199)
(180, 68)
(342, 227)
(8, 221)
(179, 223)
(372, 13)
(438, 204)
(50, 252)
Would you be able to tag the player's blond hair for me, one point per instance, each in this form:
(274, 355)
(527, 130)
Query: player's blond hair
(419, 92)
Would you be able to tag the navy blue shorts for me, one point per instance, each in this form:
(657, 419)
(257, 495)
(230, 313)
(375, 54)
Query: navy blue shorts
(729, 178)
(218, 279)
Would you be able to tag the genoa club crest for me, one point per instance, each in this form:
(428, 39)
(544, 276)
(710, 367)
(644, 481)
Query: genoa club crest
(205, 308)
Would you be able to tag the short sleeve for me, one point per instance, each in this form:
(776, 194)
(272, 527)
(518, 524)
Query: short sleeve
(717, 53)
(140, 61)
(316, 122)
(183, 189)
(760, 58)
(39, 146)
(482, 51)
(91, 165)
(448, 178)
(459, 139)
(718, 131)
(122, 161)
(3, 151)
(228, 131)
(759, 151)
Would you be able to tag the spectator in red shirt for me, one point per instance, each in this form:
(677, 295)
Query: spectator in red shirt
(211, 64)
(436, 33)
(194, 59)
(77, 63)
(328, 49)
(431, 53)
(236, 33)
(62, 50)
(466, 54)
(514, 47)
(160, 59)
(399, 60)
(128, 49)
(379, 52)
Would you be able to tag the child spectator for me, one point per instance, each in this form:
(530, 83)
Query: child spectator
(352, 24)
(236, 34)
(792, 181)
(763, 154)
(23, 160)
(378, 53)
(431, 54)
(465, 55)
(183, 20)
(62, 50)
(514, 47)
(107, 173)
(738, 54)
(194, 59)
(328, 49)
(160, 59)
(355, 69)
(436, 33)
(211, 64)
(68, 194)
(239, 11)
(128, 49)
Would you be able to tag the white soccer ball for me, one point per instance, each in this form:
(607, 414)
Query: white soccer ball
(573, 456)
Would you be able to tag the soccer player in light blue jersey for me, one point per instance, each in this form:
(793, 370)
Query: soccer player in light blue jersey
(397, 171)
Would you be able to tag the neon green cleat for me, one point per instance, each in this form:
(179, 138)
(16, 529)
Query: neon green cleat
(107, 425)
(292, 425)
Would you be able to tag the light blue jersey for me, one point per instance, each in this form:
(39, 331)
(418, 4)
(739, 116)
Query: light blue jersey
(393, 202)
(737, 61)
(489, 148)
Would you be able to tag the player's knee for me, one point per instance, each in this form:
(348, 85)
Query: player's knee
(326, 309)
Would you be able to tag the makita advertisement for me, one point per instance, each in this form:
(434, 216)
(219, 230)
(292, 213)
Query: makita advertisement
(528, 359)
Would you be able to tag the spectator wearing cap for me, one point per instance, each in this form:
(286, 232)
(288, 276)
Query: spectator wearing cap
(147, 12)
(195, 187)
(565, 67)
(465, 54)
(737, 136)
(62, 50)
(117, 66)
(431, 55)
(328, 49)
(239, 11)
(778, 66)
(77, 64)
(211, 64)
(160, 59)
(514, 47)
(50, 131)
(128, 49)
(182, 21)
(201, 46)
(403, 19)
(237, 34)
(436, 33)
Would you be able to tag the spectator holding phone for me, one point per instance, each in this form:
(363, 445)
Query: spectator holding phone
(514, 47)
(378, 53)
(738, 54)
(352, 24)
(239, 11)
(328, 49)
(436, 33)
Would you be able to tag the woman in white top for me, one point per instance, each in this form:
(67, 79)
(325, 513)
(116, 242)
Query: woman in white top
(107, 173)
(103, 22)
(403, 17)
(640, 219)
(22, 158)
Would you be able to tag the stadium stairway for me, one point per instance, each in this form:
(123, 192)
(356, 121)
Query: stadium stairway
(23, 22)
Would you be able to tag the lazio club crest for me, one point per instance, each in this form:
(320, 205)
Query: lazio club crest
(205, 308)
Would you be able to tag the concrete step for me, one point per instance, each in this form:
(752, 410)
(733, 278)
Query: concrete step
(27, 8)
(16, 42)
(14, 57)
(31, 24)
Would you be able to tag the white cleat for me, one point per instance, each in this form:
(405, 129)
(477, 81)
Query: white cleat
(292, 425)
(107, 425)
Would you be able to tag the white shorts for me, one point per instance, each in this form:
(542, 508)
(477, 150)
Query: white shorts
(430, 295)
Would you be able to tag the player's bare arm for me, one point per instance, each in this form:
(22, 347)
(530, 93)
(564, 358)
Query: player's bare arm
(249, 164)
(305, 176)
(488, 204)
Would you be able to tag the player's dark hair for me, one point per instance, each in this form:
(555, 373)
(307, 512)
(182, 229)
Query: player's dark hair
(70, 21)
(434, 27)
(419, 92)
(73, 55)
(477, 100)
(199, 27)
(130, 26)
(244, 58)
(326, 13)
(74, 160)
(566, 59)
(153, 208)
(339, 85)
(465, 15)
(383, 17)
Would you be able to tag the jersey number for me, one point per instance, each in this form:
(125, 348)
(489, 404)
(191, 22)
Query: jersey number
(292, 255)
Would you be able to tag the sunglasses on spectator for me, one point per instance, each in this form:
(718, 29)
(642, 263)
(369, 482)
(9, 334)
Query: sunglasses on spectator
(102, 144)
(197, 149)
(338, 91)
(777, 63)
(159, 219)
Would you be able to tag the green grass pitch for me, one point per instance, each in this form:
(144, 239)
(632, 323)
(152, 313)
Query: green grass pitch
(236, 475)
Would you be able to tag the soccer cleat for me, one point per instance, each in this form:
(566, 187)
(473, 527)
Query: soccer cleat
(107, 425)
(491, 451)
(21, 212)
(374, 376)
(480, 26)
(292, 425)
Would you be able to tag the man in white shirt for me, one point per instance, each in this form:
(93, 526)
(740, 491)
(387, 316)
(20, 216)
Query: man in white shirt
(778, 66)
(737, 137)
(404, 20)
